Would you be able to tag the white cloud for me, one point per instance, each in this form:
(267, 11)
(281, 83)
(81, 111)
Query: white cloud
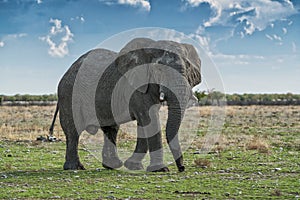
(294, 47)
(11, 37)
(238, 60)
(82, 19)
(57, 26)
(276, 37)
(203, 41)
(58, 39)
(253, 15)
(79, 18)
(280, 60)
(269, 37)
(15, 36)
(143, 4)
(242, 18)
(284, 30)
(39, 1)
(215, 5)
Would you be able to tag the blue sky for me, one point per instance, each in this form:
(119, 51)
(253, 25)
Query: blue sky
(254, 44)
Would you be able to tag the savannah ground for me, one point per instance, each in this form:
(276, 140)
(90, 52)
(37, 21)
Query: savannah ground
(256, 156)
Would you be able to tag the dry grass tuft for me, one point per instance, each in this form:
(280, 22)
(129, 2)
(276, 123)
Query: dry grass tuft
(202, 162)
(26, 122)
(258, 144)
(297, 144)
(219, 148)
(276, 192)
(124, 135)
(221, 144)
(247, 127)
(8, 166)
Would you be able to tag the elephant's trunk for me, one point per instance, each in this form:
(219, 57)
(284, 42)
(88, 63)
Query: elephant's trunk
(176, 107)
(173, 124)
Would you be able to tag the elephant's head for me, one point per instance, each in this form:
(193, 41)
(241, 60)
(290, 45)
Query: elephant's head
(174, 67)
(167, 63)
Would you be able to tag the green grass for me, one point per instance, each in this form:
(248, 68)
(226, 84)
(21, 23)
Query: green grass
(255, 158)
(32, 170)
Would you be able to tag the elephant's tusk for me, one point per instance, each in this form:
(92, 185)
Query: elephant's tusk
(161, 96)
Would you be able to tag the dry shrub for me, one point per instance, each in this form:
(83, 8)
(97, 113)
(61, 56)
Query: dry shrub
(258, 144)
(202, 162)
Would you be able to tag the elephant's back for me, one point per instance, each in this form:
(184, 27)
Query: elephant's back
(67, 81)
(77, 88)
(86, 68)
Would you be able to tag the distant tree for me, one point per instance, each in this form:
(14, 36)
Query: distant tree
(217, 96)
(202, 97)
(212, 97)
(200, 94)
(25, 97)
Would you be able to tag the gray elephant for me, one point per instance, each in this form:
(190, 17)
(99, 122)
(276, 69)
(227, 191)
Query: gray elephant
(104, 89)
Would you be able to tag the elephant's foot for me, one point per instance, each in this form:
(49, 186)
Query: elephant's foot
(181, 168)
(157, 168)
(112, 163)
(179, 164)
(133, 165)
(73, 165)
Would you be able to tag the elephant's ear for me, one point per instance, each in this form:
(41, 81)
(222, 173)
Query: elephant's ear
(193, 65)
(127, 65)
(139, 77)
(139, 72)
(132, 63)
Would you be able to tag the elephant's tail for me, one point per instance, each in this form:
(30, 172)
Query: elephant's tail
(53, 121)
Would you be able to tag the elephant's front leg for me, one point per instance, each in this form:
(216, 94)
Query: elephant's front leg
(156, 153)
(149, 138)
(141, 148)
(110, 159)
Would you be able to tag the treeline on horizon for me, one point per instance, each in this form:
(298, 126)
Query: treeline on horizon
(218, 98)
(204, 98)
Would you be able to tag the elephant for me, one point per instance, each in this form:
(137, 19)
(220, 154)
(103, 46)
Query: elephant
(103, 89)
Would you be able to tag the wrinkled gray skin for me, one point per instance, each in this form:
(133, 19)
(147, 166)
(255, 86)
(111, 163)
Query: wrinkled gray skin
(103, 89)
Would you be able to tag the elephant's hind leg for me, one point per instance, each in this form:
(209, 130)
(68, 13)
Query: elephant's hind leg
(72, 158)
(110, 159)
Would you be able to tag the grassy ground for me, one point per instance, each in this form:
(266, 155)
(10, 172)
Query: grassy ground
(256, 156)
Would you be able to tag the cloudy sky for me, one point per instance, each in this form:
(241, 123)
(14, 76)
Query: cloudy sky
(254, 44)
